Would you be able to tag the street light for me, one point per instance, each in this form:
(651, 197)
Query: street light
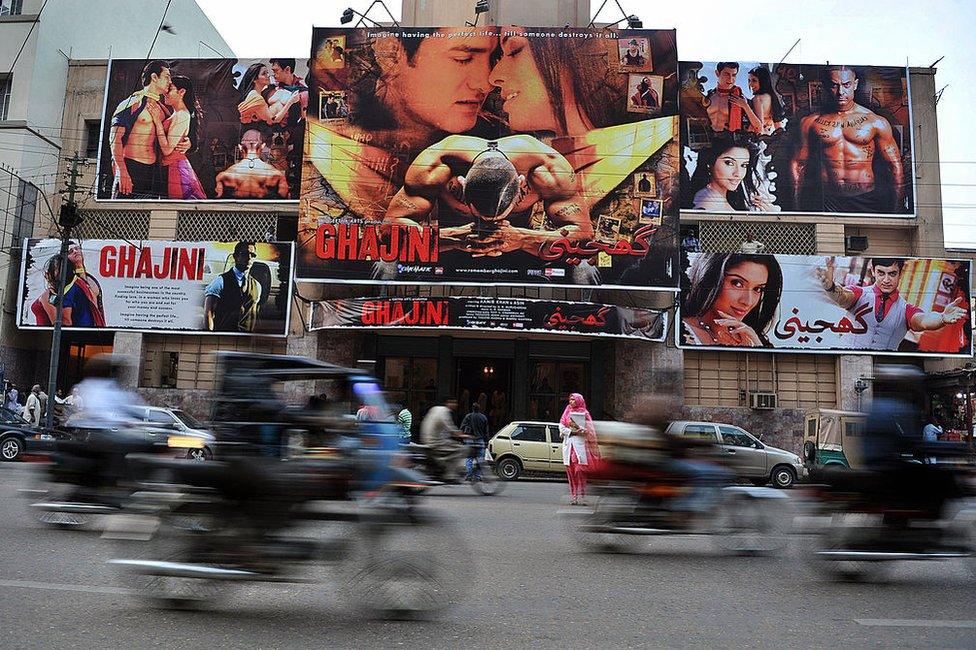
(347, 16)
(634, 22)
(481, 7)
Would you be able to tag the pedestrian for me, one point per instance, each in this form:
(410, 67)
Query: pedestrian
(930, 434)
(33, 409)
(750, 246)
(579, 445)
(60, 407)
(13, 398)
(475, 425)
(405, 420)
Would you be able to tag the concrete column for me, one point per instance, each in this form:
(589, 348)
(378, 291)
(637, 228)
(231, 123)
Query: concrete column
(850, 368)
(162, 224)
(830, 238)
(129, 344)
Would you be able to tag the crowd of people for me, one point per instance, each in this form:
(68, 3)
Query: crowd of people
(33, 407)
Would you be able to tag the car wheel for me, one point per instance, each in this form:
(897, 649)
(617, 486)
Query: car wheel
(11, 448)
(199, 454)
(783, 477)
(509, 468)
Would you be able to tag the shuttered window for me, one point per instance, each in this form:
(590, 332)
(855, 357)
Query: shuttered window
(726, 378)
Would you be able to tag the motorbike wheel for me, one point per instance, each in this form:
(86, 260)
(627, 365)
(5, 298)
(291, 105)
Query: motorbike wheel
(837, 535)
(488, 483)
(406, 567)
(176, 539)
(749, 525)
(607, 510)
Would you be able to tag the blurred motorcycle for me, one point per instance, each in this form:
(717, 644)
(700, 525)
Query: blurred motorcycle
(865, 520)
(350, 506)
(481, 476)
(642, 488)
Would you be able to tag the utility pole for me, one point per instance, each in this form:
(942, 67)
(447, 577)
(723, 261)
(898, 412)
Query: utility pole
(68, 218)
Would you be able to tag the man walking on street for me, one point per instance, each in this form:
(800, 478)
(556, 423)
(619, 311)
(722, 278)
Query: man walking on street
(405, 420)
(475, 425)
(33, 410)
(13, 399)
(438, 432)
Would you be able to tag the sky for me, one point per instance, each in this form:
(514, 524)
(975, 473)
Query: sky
(868, 32)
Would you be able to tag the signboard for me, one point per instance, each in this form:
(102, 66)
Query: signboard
(809, 139)
(203, 130)
(795, 303)
(491, 155)
(238, 288)
(489, 313)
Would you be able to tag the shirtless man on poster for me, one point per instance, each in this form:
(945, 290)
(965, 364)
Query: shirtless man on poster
(501, 179)
(845, 140)
(250, 177)
(133, 137)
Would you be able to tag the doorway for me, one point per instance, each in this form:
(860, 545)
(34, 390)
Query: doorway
(488, 382)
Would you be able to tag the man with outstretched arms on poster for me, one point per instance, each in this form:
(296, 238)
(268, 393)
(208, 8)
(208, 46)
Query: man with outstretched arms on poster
(845, 140)
(231, 301)
(483, 184)
(251, 177)
(133, 137)
(286, 80)
(879, 308)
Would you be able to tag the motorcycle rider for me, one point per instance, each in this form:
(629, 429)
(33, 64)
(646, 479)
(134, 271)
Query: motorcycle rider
(475, 425)
(439, 433)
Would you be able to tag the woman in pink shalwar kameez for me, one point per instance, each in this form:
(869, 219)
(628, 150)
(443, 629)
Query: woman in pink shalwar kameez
(579, 445)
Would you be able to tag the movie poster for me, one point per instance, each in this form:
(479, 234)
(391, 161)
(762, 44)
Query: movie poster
(810, 139)
(797, 303)
(491, 155)
(237, 288)
(203, 129)
(484, 313)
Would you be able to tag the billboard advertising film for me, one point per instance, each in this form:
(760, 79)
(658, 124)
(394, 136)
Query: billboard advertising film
(203, 129)
(491, 156)
(238, 288)
(483, 313)
(797, 303)
(810, 139)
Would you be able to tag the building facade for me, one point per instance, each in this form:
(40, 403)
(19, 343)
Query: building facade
(518, 376)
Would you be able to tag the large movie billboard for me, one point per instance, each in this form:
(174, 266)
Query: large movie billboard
(484, 313)
(796, 303)
(491, 155)
(203, 129)
(812, 139)
(239, 288)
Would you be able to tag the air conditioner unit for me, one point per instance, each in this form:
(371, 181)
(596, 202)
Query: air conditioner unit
(857, 244)
(762, 400)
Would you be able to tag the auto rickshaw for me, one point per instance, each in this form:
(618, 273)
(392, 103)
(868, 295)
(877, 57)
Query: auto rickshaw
(832, 438)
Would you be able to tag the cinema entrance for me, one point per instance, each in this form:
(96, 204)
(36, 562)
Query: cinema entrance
(512, 379)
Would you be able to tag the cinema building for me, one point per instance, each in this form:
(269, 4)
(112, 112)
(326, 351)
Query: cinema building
(517, 375)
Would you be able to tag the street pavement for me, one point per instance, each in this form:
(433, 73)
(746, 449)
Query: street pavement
(533, 588)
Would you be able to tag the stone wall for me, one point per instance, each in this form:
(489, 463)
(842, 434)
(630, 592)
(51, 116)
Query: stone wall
(781, 428)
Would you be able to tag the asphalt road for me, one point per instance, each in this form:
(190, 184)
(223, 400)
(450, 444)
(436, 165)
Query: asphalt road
(534, 588)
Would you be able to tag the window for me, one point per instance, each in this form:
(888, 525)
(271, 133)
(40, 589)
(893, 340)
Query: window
(169, 369)
(24, 213)
(705, 431)
(736, 437)
(11, 7)
(159, 417)
(530, 433)
(811, 428)
(550, 386)
(93, 129)
(554, 436)
(5, 83)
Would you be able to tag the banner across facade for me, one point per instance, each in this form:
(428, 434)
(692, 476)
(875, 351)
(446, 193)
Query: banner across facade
(489, 313)
(810, 139)
(241, 288)
(491, 155)
(876, 305)
(203, 130)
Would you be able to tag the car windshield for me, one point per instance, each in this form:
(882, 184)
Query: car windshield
(187, 419)
(9, 417)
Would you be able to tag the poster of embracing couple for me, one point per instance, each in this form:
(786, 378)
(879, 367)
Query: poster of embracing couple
(203, 129)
